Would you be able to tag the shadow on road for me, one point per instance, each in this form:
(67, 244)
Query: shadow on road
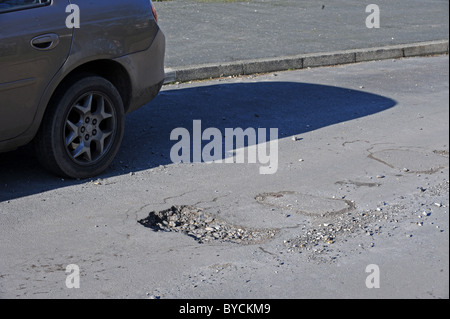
(293, 108)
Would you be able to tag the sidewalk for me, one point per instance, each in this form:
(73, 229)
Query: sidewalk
(218, 32)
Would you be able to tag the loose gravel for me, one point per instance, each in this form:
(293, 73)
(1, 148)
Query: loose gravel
(204, 227)
(321, 237)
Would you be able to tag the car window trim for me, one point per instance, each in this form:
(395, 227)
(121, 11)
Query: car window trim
(30, 6)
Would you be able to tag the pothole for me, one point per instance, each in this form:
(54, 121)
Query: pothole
(304, 204)
(203, 227)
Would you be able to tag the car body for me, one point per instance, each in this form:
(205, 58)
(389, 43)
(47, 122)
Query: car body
(114, 56)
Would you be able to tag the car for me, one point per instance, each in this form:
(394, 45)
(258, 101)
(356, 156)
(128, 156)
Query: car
(70, 71)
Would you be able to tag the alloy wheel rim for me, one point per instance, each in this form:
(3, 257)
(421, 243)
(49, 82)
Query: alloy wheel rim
(90, 127)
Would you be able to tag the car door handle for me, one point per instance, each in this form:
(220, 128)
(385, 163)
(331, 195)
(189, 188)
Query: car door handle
(45, 42)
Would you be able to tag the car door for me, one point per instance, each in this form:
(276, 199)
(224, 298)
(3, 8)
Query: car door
(34, 44)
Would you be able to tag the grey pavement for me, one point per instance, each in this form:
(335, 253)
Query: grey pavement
(218, 31)
(373, 140)
(363, 148)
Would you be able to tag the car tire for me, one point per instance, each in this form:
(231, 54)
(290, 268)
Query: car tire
(82, 128)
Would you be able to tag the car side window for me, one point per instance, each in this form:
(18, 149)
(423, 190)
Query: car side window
(16, 5)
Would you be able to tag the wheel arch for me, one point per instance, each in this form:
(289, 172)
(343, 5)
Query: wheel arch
(111, 70)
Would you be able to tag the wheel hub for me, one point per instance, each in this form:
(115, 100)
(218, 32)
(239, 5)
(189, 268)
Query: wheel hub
(90, 126)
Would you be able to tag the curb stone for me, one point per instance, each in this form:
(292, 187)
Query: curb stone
(266, 65)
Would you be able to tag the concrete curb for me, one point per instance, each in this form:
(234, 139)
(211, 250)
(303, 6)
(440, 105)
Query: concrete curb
(248, 67)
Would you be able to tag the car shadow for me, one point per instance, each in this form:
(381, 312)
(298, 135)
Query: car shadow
(293, 108)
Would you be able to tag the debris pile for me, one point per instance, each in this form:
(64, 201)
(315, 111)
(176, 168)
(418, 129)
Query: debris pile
(203, 227)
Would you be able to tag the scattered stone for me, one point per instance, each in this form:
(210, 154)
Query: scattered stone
(194, 222)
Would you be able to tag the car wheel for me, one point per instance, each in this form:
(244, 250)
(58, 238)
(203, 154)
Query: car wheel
(82, 129)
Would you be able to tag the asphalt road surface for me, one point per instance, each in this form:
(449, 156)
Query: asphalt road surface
(357, 207)
(213, 31)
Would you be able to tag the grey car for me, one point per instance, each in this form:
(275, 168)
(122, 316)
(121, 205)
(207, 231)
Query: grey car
(69, 72)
